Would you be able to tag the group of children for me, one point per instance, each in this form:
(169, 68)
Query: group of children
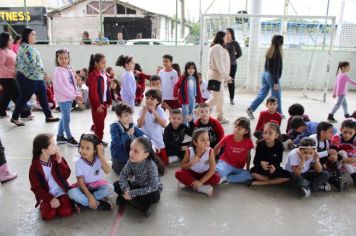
(207, 156)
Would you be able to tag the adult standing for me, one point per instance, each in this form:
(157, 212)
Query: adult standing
(234, 50)
(218, 71)
(271, 76)
(11, 90)
(120, 39)
(30, 76)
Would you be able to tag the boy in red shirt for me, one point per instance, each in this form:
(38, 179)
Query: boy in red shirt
(236, 154)
(269, 115)
(215, 129)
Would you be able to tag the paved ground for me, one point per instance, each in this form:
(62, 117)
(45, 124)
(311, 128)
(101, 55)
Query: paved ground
(234, 209)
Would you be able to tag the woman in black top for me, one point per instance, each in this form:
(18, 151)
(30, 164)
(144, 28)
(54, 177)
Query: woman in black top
(234, 50)
(271, 76)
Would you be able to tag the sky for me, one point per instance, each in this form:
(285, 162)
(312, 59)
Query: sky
(271, 7)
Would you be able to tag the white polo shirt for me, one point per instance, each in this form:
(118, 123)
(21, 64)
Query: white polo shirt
(152, 129)
(294, 160)
(168, 80)
(54, 188)
(91, 172)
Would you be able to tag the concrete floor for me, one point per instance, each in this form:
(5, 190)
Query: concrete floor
(234, 209)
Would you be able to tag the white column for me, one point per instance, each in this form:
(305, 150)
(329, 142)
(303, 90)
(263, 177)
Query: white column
(284, 20)
(339, 21)
(254, 39)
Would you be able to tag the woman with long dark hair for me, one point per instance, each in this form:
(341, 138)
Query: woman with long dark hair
(234, 49)
(271, 76)
(11, 90)
(31, 77)
(218, 72)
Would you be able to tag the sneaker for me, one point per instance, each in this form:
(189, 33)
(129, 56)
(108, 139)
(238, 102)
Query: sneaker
(181, 186)
(72, 142)
(232, 102)
(206, 189)
(331, 118)
(305, 192)
(325, 187)
(105, 205)
(172, 159)
(250, 113)
(61, 140)
(52, 119)
(222, 120)
(223, 180)
(339, 183)
(347, 116)
(17, 122)
(105, 144)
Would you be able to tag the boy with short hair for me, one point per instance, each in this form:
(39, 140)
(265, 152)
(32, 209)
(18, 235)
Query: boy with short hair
(299, 130)
(169, 78)
(215, 129)
(269, 115)
(122, 132)
(155, 82)
(175, 133)
(295, 109)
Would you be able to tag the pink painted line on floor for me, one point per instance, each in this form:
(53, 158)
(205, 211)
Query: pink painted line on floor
(116, 223)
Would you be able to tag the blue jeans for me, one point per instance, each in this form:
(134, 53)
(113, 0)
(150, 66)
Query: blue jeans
(341, 101)
(29, 87)
(188, 110)
(65, 120)
(267, 85)
(232, 174)
(78, 196)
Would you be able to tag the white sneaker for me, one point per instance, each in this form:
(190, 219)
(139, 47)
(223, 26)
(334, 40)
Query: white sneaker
(207, 189)
(305, 192)
(173, 159)
(325, 187)
(223, 180)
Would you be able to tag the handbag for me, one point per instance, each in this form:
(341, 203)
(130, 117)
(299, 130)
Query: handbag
(214, 85)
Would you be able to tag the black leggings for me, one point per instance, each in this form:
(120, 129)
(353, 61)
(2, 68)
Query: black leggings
(2, 154)
(231, 86)
(11, 92)
(139, 202)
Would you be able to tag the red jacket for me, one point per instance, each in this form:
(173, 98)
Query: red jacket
(39, 185)
(141, 82)
(215, 129)
(266, 117)
(96, 89)
(181, 91)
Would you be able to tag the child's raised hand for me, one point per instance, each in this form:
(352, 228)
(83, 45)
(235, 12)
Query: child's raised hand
(272, 169)
(127, 196)
(265, 165)
(92, 202)
(55, 203)
(100, 148)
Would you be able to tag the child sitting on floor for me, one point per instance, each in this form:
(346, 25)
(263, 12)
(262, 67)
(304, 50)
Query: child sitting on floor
(236, 154)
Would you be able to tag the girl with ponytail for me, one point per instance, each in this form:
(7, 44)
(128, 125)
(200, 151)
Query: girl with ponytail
(340, 89)
(99, 94)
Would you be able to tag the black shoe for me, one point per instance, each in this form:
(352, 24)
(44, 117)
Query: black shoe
(353, 176)
(347, 116)
(120, 200)
(72, 142)
(52, 119)
(105, 144)
(232, 102)
(331, 118)
(61, 140)
(250, 113)
(17, 122)
(104, 205)
(148, 212)
(339, 183)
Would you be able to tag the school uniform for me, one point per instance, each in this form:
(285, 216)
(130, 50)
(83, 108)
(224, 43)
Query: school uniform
(169, 78)
(92, 175)
(264, 118)
(140, 87)
(99, 94)
(198, 170)
(48, 181)
(154, 132)
(214, 128)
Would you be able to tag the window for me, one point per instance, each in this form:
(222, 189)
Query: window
(120, 9)
(131, 11)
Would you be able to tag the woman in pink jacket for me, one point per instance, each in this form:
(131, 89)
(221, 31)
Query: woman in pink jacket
(340, 89)
(65, 91)
(10, 88)
(219, 70)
